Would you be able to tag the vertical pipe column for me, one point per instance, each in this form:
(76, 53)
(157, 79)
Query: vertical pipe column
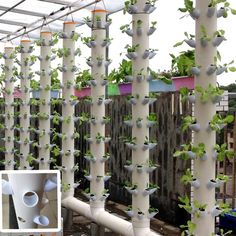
(140, 89)
(68, 109)
(25, 106)
(9, 110)
(97, 110)
(45, 93)
(205, 170)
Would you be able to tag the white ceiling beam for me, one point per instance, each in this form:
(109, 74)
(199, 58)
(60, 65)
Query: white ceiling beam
(31, 35)
(10, 22)
(37, 14)
(61, 2)
(24, 12)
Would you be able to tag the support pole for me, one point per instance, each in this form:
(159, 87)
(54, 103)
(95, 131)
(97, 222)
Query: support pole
(45, 95)
(140, 202)
(98, 110)
(25, 106)
(68, 110)
(9, 110)
(205, 170)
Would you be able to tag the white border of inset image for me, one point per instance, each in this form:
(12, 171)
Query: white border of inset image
(57, 172)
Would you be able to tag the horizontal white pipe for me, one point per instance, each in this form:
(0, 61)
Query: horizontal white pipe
(104, 218)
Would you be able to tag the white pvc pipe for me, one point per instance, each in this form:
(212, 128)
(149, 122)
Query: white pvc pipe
(205, 170)
(25, 107)
(68, 109)
(104, 218)
(97, 111)
(26, 197)
(140, 202)
(45, 80)
(9, 109)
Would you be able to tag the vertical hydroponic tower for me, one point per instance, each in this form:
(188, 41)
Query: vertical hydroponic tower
(45, 94)
(9, 109)
(25, 105)
(205, 169)
(97, 128)
(68, 109)
(140, 111)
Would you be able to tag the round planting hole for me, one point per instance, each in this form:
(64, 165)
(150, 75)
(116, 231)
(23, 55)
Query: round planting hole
(30, 199)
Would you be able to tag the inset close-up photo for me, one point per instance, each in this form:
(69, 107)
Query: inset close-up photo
(29, 201)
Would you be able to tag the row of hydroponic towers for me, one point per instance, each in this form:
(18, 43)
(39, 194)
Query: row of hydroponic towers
(205, 225)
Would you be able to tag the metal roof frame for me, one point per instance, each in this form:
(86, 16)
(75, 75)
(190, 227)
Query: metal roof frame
(44, 23)
(44, 19)
(40, 21)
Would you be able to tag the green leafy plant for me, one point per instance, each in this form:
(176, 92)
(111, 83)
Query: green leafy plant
(131, 140)
(132, 48)
(65, 187)
(62, 52)
(228, 8)
(88, 39)
(118, 75)
(55, 82)
(98, 18)
(99, 137)
(222, 177)
(188, 36)
(184, 152)
(199, 150)
(182, 64)
(187, 121)
(30, 158)
(224, 207)
(82, 79)
(203, 34)
(219, 33)
(223, 152)
(125, 27)
(56, 118)
(188, 6)
(222, 233)
(152, 117)
(185, 93)
(217, 122)
(185, 204)
(128, 4)
(187, 178)
(149, 141)
(34, 84)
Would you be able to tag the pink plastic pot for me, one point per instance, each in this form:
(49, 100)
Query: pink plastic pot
(83, 92)
(183, 81)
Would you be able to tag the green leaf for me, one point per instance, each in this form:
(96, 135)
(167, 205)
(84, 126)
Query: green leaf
(218, 55)
(232, 69)
(182, 9)
(178, 44)
(226, 4)
(233, 11)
